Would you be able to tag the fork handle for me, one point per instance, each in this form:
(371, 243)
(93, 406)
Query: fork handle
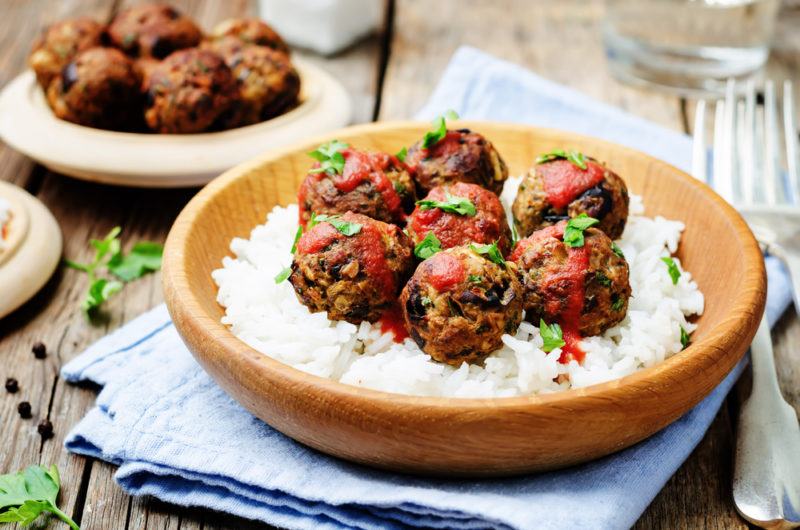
(792, 261)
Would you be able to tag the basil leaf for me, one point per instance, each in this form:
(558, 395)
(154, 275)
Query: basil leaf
(428, 246)
(330, 158)
(439, 131)
(575, 157)
(573, 233)
(685, 340)
(672, 269)
(452, 204)
(617, 250)
(552, 336)
(401, 154)
(490, 251)
(283, 275)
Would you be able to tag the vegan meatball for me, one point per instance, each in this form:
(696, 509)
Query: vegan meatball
(557, 188)
(458, 214)
(251, 31)
(458, 156)
(458, 304)
(351, 266)
(58, 45)
(190, 91)
(268, 82)
(344, 179)
(99, 88)
(584, 288)
(153, 30)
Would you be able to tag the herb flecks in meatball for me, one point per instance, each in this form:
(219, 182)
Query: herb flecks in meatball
(351, 266)
(564, 184)
(58, 45)
(447, 156)
(458, 214)
(345, 179)
(153, 30)
(250, 31)
(460, 302)
(99, 88)
(572, 276)
(190, 91)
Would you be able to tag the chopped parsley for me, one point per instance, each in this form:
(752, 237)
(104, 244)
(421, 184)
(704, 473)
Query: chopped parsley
(428, 246)
(551, 336)
(426, 301)
(296, 239)
(602, 278)
(672, 269)
(439, 129)
(578, 159)
(618, 302)
(345, 227)
(452, 204)
(573, 233)
(618, 251)
(514, 234)
(490, 251)
(475, 278)
(330, 157)
(685, 340)
(283, 275)
(401, 154)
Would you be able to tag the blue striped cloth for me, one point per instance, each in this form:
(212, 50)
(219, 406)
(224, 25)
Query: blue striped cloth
(177, 436)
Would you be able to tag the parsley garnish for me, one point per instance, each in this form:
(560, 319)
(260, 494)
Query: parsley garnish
(297, 236)
(345, 227)
(514, 235)
(426, 301)
(578, 159)
(330, 158)
(27, 494)
(401, 154)
(452, 204)
(475, 278)
(551, 336)
(672, 268)
(573, 233)
(617, 250)
(490, 251)
(684, 338)
(618, 302)
(283, 275)
(439, 129)
(602, 278)
(428, 246)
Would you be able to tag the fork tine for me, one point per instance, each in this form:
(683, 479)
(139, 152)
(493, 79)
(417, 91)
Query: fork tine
(748, 128)
(699, 158)
(790, 133)
(772, 184)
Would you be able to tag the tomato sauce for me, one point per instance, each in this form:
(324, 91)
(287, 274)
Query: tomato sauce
(444, 271)
(316, 239)
(564, 181)
(392, 321)
(446, 147)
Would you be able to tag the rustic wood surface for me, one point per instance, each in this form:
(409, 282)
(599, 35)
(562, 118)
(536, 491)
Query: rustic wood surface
(389, 77)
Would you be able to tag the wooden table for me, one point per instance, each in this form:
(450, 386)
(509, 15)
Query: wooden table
(388, 77)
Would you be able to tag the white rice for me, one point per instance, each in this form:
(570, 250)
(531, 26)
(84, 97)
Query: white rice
(268, 317)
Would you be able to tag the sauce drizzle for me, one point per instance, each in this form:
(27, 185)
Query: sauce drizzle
(564, 181)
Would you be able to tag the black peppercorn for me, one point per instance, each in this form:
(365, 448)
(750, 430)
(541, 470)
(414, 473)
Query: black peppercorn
(45, 429)
(39, 350)
(24, 410)
(12, 385)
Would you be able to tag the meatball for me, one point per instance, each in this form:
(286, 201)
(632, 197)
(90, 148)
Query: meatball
(58, 45)
(99, 88)
(190, 91)
(558, 189)
(461, 156)
(352, 267)
(584, 288)
(268, 82)
(153, 30)
(374, 184)
(445, 213)
(458, 304)
(251, 31)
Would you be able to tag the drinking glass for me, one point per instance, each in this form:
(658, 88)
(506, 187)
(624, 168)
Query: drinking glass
(689, 46)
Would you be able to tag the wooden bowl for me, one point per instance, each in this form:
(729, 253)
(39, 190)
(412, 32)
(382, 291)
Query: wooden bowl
(475, 437)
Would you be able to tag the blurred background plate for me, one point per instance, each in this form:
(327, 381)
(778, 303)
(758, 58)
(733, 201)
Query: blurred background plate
(161, 160)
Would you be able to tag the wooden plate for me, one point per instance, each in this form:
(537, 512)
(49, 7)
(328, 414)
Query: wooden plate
(467, 436)
(32, 250)
(161, 160)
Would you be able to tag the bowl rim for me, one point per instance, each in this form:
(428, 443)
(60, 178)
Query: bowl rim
(183, 304)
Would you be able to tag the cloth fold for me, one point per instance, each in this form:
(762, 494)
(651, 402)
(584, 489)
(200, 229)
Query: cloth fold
(177, 436)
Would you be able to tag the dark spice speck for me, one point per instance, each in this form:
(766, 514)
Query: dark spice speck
(24, 410)
(45, 429)
(39, 350)
(12, 385)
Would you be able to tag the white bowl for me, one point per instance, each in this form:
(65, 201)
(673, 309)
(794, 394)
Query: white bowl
(161, 160)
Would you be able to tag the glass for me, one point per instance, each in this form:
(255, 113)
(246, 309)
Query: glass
(690, 46)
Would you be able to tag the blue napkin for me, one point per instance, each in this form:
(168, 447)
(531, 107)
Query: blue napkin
(177, 436)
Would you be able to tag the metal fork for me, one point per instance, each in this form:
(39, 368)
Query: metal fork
(747, 162)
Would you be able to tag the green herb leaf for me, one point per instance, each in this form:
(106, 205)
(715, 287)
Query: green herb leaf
(602, 278)
(100, 290)
(551, 336)
(428, 246)
(144, 257)
(401, 154)
(672, 268)
(297, 236)
(617, 250)
(452, 204)
(330, 158)
(26, 494)
(514, 235)
(573, 233)
(283, 275)
(474, 278)
(426, 301)
(578, 159)
(490, 251)
(439, 130)
(345, 227)
(685, 340)
(618, 302)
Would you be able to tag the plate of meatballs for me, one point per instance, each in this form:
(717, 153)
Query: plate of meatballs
(459, 281)
(158, 102)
